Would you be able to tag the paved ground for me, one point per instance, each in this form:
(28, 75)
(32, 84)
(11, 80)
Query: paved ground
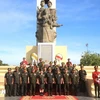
(79, 97)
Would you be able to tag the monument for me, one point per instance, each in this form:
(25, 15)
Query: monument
(46, 34)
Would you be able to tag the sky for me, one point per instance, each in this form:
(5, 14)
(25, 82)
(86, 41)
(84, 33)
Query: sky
(81, 25)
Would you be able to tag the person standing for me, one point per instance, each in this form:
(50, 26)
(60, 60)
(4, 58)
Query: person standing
(24, 61)
(8, 82)
(29, 70)
(41, 82)
(16, 77)
(33, 81)
(50, 80)
(74, 77)
(54, 71)
(69, 63)
(96, 80)
(66, 77)
(58, 80)
(24, 82)
(62, 68)
(40, 64)
(82, 80)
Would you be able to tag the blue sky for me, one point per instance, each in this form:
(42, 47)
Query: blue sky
(81, 25)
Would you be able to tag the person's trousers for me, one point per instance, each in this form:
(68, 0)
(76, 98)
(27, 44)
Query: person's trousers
(58, 89)
(97, 89)
(8, 88)
(24, 89)
(50, 87)
(16, 89)
(32, 88)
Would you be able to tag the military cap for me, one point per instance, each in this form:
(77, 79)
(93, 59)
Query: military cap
(40, 58)
(9, 69)
(43, 62)
(55, 61)
(16, 67)
(81, 66)
(50, 62)
(62, 63)
(74, 64)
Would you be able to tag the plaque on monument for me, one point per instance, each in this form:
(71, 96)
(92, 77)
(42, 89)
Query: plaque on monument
(46, 51)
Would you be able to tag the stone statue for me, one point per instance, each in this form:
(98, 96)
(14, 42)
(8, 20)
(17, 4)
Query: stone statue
(39, 33)
(46, 22)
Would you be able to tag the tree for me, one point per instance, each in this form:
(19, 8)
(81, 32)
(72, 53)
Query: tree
(90, 59)
(3, 64)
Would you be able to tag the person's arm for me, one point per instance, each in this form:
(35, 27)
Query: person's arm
(28, 80)
(21, 79)
(85, 75)
(93, 76)
(5, 80)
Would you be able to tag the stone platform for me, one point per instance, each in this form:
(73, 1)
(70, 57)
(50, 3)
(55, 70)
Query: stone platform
(46, 51)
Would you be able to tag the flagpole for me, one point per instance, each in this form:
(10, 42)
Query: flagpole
(87, 47)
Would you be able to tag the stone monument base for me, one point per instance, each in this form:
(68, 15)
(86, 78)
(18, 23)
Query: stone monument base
(41, 53)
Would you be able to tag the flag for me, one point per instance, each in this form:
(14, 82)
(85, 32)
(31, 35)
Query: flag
(87, 45)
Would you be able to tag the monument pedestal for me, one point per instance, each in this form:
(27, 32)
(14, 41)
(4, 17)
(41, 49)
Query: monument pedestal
(47, 51)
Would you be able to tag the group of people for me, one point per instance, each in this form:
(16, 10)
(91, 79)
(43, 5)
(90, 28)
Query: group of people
(42, 78)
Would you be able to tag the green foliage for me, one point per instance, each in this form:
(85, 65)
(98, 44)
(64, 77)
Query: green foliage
(3, 64)
(90, 59)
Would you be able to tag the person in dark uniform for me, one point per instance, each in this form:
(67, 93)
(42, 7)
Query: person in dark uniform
(50, 65)
(21, 69)
(58, 80)
(33, 81)
(45, 73)
(8, 82)
(54, 71)
(37, 73)
(74, 81)
(96, 80)
(82, 79)
(29, 70)
(50, 80)
(41, 82)
(66, 77)
(62, 68)
(16, 77)
(74, 68)
(24, 82)
(40, 64)
(54, 68)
